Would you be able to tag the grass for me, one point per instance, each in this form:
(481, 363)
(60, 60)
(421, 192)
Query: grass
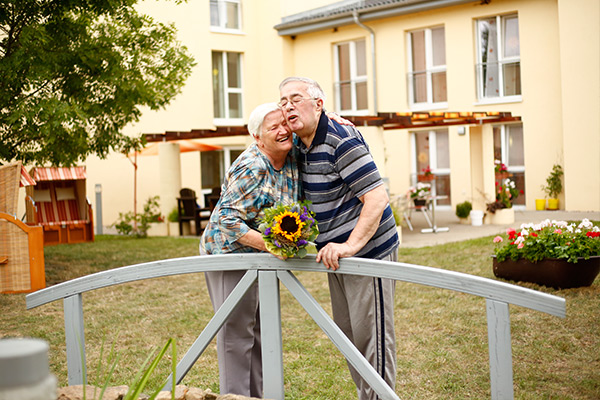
(441, 335)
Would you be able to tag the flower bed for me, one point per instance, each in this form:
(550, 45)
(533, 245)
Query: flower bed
(550, 239)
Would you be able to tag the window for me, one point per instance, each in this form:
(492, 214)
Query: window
(509, 149)
(225, 14)
(351, 77)
(499, 57)
(431, 149)
(427, 68)
(213, 165)
(227, 87)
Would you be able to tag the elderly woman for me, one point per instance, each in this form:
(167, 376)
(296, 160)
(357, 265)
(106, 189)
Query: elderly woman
(264, 174)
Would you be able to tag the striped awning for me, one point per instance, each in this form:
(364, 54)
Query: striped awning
(58, 173)
(26, 179)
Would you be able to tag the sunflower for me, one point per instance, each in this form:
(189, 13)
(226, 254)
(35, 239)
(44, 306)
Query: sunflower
(288, 229)
(289, 225)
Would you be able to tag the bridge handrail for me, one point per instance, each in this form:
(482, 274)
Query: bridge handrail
(268, 270)
(435, 277)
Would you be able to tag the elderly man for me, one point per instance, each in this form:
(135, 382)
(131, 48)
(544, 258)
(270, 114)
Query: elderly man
(351, 205)
(263, 175)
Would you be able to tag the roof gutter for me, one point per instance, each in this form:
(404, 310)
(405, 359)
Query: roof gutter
(373, 57)
(314, 25)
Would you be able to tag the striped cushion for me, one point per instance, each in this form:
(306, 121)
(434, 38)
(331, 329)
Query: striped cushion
(59, 213)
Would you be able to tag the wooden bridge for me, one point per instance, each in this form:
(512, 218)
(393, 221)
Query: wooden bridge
(269, 271)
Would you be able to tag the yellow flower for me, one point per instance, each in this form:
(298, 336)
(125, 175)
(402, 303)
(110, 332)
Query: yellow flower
(289, 225)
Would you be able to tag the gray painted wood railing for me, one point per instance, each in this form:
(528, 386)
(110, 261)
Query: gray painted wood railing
(269, 271)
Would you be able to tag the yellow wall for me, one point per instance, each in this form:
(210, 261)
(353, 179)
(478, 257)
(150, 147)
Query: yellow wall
(559, 42)
(542, 106)
(579, 24)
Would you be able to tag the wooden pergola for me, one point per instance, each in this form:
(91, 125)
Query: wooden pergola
(386, 120)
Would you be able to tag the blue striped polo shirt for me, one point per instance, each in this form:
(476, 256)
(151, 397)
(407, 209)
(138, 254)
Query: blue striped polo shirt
(336, 170)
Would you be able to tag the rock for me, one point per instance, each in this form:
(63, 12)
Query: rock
(194, 394)
(75, 392)
(180, 393)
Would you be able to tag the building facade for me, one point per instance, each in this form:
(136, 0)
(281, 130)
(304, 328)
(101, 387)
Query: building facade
(454, 86)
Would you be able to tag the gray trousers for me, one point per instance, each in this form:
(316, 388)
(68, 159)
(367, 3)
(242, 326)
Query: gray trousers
(363, 308)
(238, 341)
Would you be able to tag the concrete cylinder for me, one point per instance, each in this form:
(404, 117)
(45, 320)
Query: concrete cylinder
(170, 176)
(24, 372)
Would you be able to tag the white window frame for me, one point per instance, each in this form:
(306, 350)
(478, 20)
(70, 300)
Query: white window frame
(501, 98)
(222, 7)
(430, 70)
(354, 79)
(504, 145)
(223, 166)
(227, 120)
(504, 138)
(432, 162)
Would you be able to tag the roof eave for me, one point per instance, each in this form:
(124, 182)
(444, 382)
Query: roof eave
(315, 25)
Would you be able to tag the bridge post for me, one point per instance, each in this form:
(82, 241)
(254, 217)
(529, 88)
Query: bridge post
(270, 330)
(501, 374)
(75, 339)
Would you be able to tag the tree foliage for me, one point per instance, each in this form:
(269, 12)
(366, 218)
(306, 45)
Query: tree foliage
(74, 73)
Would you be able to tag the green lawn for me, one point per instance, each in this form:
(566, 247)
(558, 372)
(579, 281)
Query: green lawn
(441, 335)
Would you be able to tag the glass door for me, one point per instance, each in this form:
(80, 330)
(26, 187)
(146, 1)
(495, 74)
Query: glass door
(431, 151)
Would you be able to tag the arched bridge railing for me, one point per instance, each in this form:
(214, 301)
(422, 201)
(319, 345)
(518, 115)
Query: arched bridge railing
(269, 271)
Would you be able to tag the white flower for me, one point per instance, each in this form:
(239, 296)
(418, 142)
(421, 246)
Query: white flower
(520, 239)
(560, 224)
(585, 223)
(524, 232)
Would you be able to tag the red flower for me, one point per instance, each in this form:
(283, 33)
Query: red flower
(592, 234)
(511, 233)
(533, 234)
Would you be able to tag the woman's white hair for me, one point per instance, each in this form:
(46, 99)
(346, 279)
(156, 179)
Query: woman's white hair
(258, 116)
(312, 87)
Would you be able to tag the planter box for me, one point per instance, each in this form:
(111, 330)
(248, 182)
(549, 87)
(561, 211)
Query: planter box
(164, 229)
(558, 274)
(503, 216)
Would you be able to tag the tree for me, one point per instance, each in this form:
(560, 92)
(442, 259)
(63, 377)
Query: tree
(74, 73)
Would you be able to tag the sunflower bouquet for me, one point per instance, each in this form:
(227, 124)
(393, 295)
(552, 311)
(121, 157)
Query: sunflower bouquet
(288, 229)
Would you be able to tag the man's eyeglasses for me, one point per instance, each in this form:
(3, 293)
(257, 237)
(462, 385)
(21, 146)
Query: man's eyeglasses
(295, 100)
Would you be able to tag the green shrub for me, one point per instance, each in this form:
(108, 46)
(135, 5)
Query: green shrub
(463, 209)
(130, 224)
(173, 215)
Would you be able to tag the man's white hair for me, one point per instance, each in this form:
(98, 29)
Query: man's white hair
(258, 116)
(313, 89)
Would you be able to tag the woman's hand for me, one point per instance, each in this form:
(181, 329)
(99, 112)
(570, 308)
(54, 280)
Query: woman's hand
(338, 119)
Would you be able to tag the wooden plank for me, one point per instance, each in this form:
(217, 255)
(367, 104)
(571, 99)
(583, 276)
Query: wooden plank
(339, 339)
(500, 350)
(211, 329)
(435, 277)
(270, 328)
(75, 338)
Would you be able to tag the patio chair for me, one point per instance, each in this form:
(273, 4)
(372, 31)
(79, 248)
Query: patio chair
(189, 211)
(21, 246)
(406, 206)
(21, 256)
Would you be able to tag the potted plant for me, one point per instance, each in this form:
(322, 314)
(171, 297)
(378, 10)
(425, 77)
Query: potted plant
(501, 208)
(420, 193)
(463, 210)
(552, 253)
(501, 170)
(553, 186)
(427, 175)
